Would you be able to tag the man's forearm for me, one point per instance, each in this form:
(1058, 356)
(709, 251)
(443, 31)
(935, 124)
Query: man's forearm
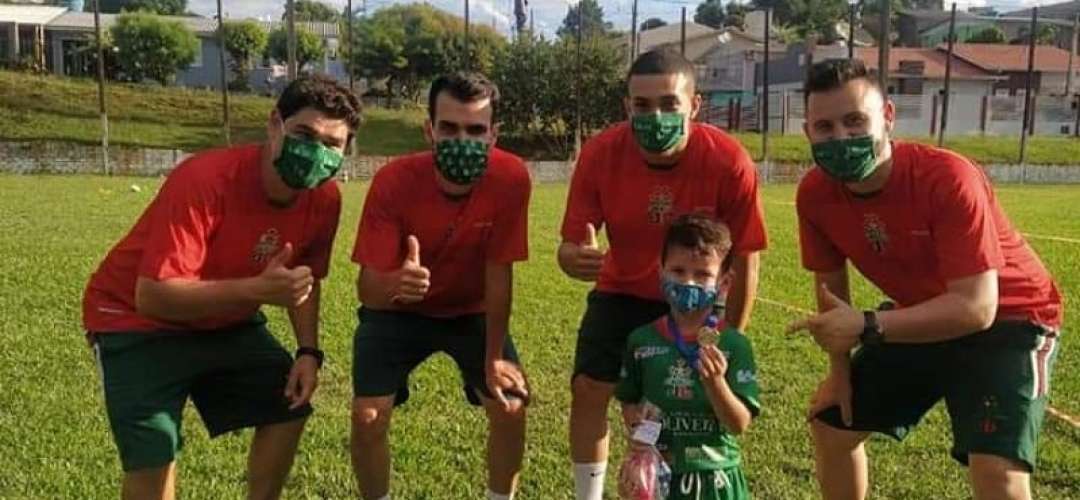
(945, 317)
(305, 319)
(498, 298)
(182, 300)
(740, 299)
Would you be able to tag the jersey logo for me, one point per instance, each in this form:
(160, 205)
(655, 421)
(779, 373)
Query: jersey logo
(649, 351)
(875, 232)
(661, 202)
(267, 246)
(680, 380)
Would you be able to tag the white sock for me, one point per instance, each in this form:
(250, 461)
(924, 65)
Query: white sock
(499, 496)
(589, 480)
(385, 497)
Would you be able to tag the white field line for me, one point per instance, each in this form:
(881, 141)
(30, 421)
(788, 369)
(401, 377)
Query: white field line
(1053, 412)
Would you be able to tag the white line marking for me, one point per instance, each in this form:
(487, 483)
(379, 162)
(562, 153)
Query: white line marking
(1061, 239)
(1053, 412)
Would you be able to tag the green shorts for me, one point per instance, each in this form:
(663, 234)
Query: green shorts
(724, 484)
(235, 377)
(609, 319)
(388, 345)
(995, 384)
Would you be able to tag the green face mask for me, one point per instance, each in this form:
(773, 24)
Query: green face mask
(304, 164)
(657, 133)
(846, 160)
(461, 161)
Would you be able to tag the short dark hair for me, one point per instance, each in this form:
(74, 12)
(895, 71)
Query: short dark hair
(832, 74)
(465, 87)
(664, 62)
(323, 93)
(700, 234)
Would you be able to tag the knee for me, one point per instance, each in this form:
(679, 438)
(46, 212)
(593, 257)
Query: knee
(369, 423)
(590, 393)
(510, 418)
(998, 477)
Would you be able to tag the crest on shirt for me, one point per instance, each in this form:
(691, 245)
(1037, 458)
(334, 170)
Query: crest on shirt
(680, 380)
(876, 234)
(661, 202)
(267, 246)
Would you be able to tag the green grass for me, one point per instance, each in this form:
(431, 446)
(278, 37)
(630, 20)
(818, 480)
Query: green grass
(66, 109)
(56, 443)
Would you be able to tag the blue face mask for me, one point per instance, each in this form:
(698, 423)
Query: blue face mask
(687, 298)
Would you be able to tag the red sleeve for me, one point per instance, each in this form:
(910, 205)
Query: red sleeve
(819, 254)
(508, 241)
(317, 253)
(182, 219)
(379, 237)
(583, 202)
(741, 205)
(962, 222)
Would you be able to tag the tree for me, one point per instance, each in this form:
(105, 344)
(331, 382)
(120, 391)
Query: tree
(710, 13)
(992, 34)
(736, 15)
(309, 47)
(313, 10)
(244, 40)
(591, 17)
(151, 48)
(163, 7)
(1046, 34)
(652, 23)
(408, 45)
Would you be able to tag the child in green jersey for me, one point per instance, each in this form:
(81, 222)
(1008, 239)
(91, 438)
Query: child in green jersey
(700, 374)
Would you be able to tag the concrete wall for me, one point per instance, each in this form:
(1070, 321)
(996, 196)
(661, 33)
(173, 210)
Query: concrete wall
(65, 158)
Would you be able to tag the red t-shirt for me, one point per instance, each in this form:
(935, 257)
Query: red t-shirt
(458, 237)
(211, 220)
(613, 187)
(936, 220)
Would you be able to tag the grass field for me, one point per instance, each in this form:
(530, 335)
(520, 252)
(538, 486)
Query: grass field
(66, 109)
(55, 441)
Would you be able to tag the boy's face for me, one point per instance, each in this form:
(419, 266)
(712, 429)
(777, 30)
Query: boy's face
(690, 267)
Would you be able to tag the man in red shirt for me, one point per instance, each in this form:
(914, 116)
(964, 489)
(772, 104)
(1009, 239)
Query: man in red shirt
(173, 310)
(974, 317)
(438, 238)
(632, 180)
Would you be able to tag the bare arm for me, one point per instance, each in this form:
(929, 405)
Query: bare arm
(968, 305)
(837, 282)
(729, 409)
(305, 319)
(182, 300)
(498, 291)
(740, 298)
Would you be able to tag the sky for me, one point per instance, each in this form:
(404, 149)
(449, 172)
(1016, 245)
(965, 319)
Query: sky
(548, 14)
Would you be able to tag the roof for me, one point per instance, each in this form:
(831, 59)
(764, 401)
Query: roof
(1063, 10)
(672, 33)
(29, 14)
(84, 21)
(1000, 57)
(925, 18)
(323, 29)
(933, 59)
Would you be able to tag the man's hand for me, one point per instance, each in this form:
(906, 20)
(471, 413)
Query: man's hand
(413, 279)
(279, 285)
(712, 364)
(303, 378)
(506, 378)
(587, 258)
(834, 390)
(836, 330)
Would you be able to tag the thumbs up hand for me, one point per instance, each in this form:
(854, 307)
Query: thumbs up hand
(588, 259)
(280, 285)
(413, 279)
(836, 330)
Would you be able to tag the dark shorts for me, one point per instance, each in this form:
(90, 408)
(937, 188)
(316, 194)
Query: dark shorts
(609, 319)
(995, 384)
(388, 345)
(235, 377)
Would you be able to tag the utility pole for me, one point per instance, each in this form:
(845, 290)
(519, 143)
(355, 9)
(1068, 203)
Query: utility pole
(948, 78)
(883, 47)
(290, 21)
(101, 90)
(224, 76)
(1028, 122)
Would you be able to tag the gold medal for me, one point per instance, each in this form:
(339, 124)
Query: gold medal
(707, 336)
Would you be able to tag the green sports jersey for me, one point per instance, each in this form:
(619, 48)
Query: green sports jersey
(654, 371)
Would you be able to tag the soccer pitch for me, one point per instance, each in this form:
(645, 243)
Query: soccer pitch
(55, 442)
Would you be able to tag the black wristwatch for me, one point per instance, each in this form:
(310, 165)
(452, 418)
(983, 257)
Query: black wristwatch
(313, 352)
(871, 332)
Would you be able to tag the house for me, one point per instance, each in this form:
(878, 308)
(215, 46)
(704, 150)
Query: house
(1010, 62)
(929, 28)
(22, 33)
(70, 34)
(724, 58)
